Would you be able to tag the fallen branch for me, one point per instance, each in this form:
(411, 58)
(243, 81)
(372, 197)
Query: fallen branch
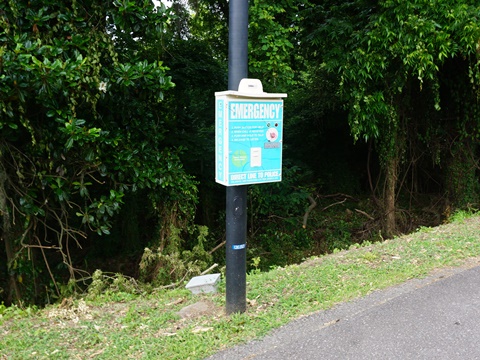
(175, 284)
(312, 206)
(209, 269)
(337, 203)
(217, 247)
(365, 214)
(340, 195)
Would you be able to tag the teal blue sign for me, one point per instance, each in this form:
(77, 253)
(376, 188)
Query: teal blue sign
(255, 141)
(249, 139)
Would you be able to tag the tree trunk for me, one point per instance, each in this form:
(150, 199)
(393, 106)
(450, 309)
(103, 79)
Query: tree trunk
(389, 196)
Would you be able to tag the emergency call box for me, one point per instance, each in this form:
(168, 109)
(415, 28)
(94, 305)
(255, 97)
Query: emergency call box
(248, 135)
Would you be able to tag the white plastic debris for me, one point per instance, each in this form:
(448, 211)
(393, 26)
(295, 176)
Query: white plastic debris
(204, 284)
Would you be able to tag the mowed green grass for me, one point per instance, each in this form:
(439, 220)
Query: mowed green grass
(126, 326)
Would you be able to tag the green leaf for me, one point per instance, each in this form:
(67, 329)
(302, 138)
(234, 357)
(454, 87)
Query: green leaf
(69, 143)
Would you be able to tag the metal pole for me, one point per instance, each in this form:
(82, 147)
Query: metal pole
(236, 204)
(237, 43)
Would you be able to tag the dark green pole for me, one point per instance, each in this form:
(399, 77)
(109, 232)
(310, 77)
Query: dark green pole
(236, 207)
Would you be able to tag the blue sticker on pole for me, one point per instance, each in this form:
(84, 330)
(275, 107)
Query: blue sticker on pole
(239, 247)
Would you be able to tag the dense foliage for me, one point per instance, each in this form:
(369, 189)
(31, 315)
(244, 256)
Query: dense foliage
(389, 53)
(107, 133)
(81, 85)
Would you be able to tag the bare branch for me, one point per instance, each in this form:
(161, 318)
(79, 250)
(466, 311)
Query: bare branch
(337, 203)
(209, 269)
(312, 206)
(365, 214)
(217, 247)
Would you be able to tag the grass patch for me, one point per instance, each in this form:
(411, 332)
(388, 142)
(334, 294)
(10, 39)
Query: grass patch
(148, 326)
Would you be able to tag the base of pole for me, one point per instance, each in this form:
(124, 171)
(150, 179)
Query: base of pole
(236, 249)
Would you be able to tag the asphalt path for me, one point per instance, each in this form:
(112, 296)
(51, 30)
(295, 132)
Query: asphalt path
(433, 318)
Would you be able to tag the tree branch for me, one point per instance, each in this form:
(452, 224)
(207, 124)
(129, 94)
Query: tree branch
(365, 214)
(312, 206)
